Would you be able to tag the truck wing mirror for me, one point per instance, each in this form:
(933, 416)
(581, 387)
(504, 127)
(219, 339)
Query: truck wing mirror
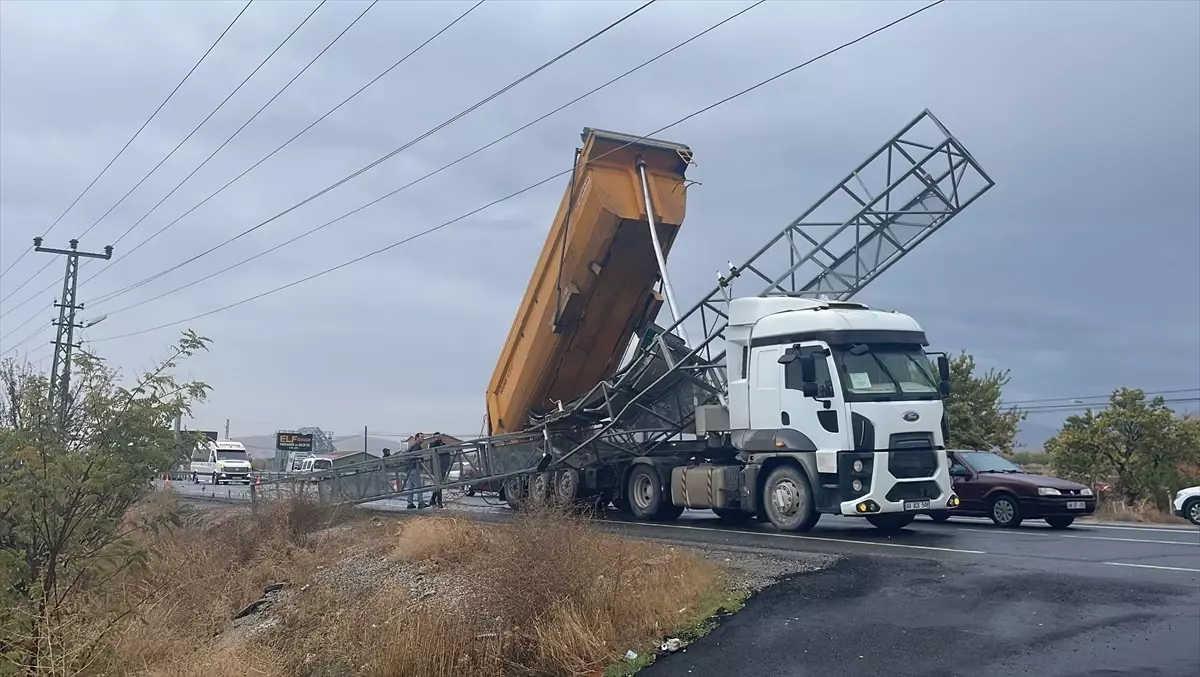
(808, 369)
(788, 357)
(809, 389)
(944, 373)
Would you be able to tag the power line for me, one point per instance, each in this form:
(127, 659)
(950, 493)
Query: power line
(1101, 405)
(19, 326)
(443, 167)
(533, 186)
(289, 83)
(381, 159)
(208, 117)
(122, 151)
(1070, 400)
(256, 164)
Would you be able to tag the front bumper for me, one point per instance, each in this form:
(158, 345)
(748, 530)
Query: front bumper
(895, 481)
(1033, 507)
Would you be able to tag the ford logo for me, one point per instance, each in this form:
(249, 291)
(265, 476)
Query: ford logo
(911, 416)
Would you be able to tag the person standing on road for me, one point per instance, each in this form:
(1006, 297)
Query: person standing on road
(412, 479)
(443, 468)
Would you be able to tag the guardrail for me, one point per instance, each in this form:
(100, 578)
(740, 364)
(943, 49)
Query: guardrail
(410, 474)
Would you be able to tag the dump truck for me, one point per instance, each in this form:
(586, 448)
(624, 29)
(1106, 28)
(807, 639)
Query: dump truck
(779, 404)
(792, 403)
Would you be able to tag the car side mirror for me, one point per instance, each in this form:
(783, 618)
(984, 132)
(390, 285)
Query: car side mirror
(959, 471)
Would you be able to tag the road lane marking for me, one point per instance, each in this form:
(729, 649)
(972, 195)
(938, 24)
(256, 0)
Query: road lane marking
(1153, 566)
(1129, 540)
(807, 538)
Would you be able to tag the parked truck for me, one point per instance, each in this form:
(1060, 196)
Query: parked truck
(220, 461)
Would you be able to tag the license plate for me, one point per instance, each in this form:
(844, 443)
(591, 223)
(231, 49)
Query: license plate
(916, 505)
(1076, 505)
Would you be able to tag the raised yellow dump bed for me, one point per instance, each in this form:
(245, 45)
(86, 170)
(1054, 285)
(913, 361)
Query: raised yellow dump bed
(593, 286)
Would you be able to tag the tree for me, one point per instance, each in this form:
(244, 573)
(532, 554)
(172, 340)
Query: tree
(977, 418)
(66, 489)
(1141, 445)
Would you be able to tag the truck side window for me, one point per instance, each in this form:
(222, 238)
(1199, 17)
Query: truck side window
(791, 374)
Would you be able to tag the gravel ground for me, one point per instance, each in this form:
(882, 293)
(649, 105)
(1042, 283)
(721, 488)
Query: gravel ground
(753, 569)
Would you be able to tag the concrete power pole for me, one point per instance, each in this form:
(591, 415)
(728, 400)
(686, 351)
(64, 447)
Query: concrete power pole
(64, 340)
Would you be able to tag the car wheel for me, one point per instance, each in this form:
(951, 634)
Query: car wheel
(939, 516)
(1191, 510)
(788, 499)
(1005, 511)
(889, 522)
(1060, 521)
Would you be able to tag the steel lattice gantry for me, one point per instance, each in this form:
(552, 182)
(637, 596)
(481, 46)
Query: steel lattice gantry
(904, 192)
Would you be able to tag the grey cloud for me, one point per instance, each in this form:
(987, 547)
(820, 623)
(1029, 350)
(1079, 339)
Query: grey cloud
(1086, 114)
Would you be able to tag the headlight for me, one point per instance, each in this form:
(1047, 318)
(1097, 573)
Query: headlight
(857, 485)
(1048, 491)
(858, 466)
(1086, 491)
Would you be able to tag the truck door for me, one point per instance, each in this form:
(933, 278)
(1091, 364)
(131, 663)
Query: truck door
(764, 388)
(822, 419)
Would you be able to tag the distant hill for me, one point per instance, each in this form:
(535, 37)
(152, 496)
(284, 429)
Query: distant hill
(1032, 436)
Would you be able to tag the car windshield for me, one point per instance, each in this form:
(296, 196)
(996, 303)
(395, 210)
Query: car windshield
(985, 461)
(886, 370)
(231, 455)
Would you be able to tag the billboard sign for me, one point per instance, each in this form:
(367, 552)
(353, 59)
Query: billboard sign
(294, 442)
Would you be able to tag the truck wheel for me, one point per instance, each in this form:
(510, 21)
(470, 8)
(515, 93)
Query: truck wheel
(788, 499)
(889, 522)
(540, 488)
(645, 493)
(566, 487)
(512, 489)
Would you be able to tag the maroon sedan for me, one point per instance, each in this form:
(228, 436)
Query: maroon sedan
(991, 486)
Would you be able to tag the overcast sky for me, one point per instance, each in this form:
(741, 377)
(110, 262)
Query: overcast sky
(1079, 271)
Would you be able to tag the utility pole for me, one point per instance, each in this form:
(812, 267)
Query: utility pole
(365, 454)
(64, 340)
(226, 428)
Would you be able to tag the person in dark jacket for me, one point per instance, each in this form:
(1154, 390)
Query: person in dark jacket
(443, 467)
(412, 478)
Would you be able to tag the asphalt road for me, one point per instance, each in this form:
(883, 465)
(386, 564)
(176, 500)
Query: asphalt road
(960, 598)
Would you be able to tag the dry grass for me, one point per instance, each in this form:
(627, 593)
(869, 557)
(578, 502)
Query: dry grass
(541, 595)
(1110, 510)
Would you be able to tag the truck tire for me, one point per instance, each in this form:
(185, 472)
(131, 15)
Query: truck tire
(645, 495)
(787, 499)
(512, 488)
(892, 521)
(541, 488)
(566, 487)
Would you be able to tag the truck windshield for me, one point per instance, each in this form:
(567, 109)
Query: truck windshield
(231, 455)
(885, 372)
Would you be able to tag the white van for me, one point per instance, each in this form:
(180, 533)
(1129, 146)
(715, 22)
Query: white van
(221, 461)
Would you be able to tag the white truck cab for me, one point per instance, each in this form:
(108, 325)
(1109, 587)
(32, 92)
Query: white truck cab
(221, 461)
(837, 409)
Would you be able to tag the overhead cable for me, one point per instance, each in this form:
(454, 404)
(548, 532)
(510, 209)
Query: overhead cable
(444, 167)
(510, 196)
(379, 161)
(295, 136)
(122, 151)
(265, 157)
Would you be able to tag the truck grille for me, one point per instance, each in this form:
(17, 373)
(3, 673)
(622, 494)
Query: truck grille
(909, 464)
(911, 491)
